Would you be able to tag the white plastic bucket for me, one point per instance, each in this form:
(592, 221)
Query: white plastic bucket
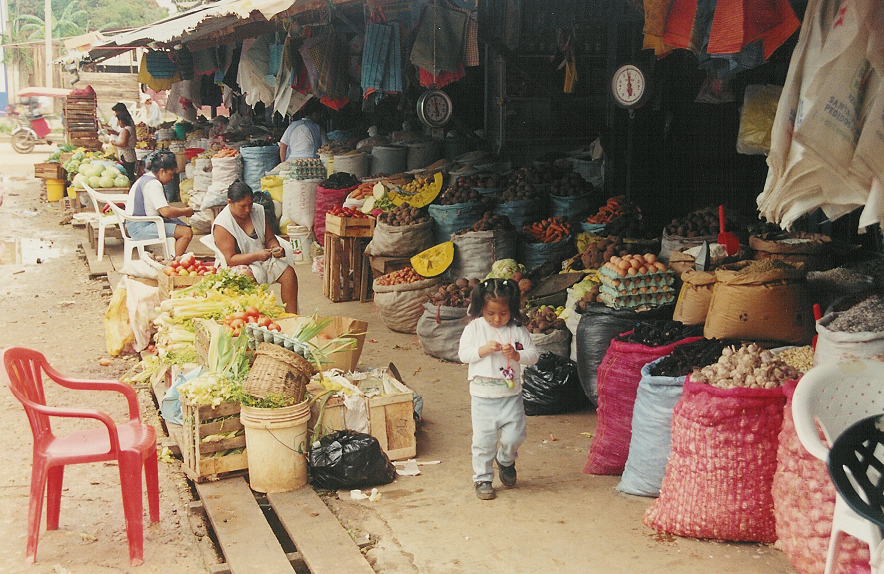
(276, 443)
(299, 237)
(389, 159)
(354, 163)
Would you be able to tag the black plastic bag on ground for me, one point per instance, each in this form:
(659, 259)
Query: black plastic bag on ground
(552, 386)
(348, 459)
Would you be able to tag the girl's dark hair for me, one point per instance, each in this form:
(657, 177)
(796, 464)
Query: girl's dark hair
(125, 117)
(238, 191)
(160, 159)
(490, 289)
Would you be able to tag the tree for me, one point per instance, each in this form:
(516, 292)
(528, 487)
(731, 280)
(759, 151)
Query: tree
(62, 26)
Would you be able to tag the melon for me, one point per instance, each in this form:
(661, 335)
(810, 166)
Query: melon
(111, 173)
(84, 167)
(121, 181)
(93, 181)
(79, 180)
(105, 182)
(434, 260)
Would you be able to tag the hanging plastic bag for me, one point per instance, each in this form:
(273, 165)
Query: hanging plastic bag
(348, 459)
(756, 118)
(552, 386)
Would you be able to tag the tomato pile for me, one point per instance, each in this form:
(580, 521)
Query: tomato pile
(186, 265)
(341, 211)
(236, 321)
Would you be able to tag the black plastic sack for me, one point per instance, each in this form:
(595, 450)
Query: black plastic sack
(348, 459)
(552, 386)
(263, 198)
(536, 254)
(448, 219)
(598, 325)
(522, 212)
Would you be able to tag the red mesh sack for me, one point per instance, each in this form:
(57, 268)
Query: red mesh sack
(618, 377)
(724, 455)
(326, 199)
(804, 502)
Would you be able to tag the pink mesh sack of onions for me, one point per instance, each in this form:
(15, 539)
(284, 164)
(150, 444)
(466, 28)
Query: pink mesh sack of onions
(618, 377)
(804, 501)
(724, 455)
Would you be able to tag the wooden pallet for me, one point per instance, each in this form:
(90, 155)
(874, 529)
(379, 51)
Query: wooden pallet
(347, 275)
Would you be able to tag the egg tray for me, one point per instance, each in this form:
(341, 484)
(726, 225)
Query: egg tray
(258, 335)
(634, 291)
(631, 301)
(613, 279)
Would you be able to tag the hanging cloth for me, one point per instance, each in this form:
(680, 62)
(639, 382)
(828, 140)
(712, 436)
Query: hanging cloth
(275, 51)
(205, 61)
(680, 23)
(428, 80)
(252, 73)
(160, 65)
(332, 66)
(438, 46)
(229, 78)
(381, 58)
(185, 63)
(656, 12)
(738, 23)
(210, 92)
(471, 41)
(309, 49)
(155, 84)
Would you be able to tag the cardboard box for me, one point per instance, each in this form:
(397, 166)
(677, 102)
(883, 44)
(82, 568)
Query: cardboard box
(339, 327)
(390, 419)
(349, 226)
(202, 421)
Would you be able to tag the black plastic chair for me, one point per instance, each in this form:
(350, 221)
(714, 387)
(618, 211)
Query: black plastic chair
(856, 465)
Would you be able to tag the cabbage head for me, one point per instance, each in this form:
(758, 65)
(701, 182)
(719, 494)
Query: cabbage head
(105, 181)
(504, 269)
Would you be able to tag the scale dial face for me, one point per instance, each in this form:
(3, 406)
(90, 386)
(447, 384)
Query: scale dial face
(629, 86)
(434, 108)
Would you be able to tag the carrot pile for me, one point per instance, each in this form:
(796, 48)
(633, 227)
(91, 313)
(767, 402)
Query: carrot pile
(226, 152)
(549, 230)
(364, 190)
(608, 212)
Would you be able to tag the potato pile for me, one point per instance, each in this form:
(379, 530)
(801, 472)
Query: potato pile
(750, 366)
(544, 319)
(495, 180)
(489, 222)
(404, 214)
(459, 192)
(401, 277)
(591, 295)
(518, 191)
(600, 252)
(571, 185)
(540, 173)
(456, 294)
(699, 223)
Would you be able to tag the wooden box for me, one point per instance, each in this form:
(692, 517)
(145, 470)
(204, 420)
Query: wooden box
(349, 226)
(204, 330)
(198, 454)
(383, 265)
(346, 275)
(49, 171)
(170, 283)
(390, 420)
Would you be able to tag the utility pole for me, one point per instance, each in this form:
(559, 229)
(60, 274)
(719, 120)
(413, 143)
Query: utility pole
(47, 20)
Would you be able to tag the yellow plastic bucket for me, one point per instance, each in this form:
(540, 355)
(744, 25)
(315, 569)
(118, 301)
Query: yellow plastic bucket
(54, 189)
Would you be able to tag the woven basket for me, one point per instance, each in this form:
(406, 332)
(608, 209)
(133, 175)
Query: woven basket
(278, 371)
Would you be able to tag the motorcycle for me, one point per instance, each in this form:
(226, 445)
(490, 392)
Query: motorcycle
(32, 128)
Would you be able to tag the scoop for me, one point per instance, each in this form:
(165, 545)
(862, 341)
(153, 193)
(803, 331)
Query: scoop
(729, 240)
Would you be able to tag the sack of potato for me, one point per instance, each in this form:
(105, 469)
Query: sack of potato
(479, 246)
(401, 232)
(400, 296)
(548, 331)
(444, 319)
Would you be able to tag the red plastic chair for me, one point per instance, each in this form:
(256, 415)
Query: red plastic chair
(132, 444)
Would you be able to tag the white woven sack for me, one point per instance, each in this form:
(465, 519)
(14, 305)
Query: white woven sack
(401, 306)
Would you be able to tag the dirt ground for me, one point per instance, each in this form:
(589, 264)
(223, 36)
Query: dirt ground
(556, 520)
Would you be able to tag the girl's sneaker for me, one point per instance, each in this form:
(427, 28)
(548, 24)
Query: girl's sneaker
(507, 474)
(484, 491)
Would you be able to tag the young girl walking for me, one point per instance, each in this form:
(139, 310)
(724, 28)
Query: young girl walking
(494, 344)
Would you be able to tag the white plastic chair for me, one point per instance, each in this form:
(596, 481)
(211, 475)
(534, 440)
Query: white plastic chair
(104, 220)
(835, 396)
(167, 243)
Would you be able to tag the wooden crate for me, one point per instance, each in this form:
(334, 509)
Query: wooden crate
(200, 422)
(390, 420)
(349, 226)
(346, 275)
(170, 283)
(49, 171)
(204, 330)
(383, 265)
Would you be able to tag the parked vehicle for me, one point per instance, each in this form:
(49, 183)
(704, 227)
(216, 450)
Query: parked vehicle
(31, 127)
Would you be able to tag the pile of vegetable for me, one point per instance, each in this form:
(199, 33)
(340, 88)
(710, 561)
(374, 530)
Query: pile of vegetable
(660, 333)
(400, 277)
(489, 222)
(612, 209)
(629, 224)
(684, 358)
(493, 181)
(334, 147)
(570, 185)
(94, 169)
(550, 230)
(340, 180)
(459, 192)
(363, 191)
(800, 358)
(600, 251)
(235, 322)
(403, 214)
(700, 223)
(586, 292)
(225, 152)
(544, 319)
(506, 269)
(188, 265)
(221, 381)
(750, 366)
(536, 174)
(341, 211)
(455, 294)
(56, 155)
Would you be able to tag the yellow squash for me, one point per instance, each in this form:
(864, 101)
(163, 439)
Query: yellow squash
(434, 260)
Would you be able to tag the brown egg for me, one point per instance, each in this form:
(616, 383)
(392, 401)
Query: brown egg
(624, 264)
(634, 263)
(615, 283)
(643, 289)
(621, 272)
(640, 259)
(650, 257)
(660, 266)
(643, 270)
(615, 260)
(653, 288)
(632, 271)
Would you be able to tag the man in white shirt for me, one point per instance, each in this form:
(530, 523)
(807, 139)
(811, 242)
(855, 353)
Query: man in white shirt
(304, 137)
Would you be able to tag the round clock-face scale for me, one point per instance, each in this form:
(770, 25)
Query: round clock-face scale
(434, 108)
(629, 86)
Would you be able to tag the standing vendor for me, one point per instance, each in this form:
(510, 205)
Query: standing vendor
(125, 138)
(304, 137)
(147, 198)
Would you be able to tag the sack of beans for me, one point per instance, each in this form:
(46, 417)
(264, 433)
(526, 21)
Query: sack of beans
(804, 523)
(694, 297)
(856, 332)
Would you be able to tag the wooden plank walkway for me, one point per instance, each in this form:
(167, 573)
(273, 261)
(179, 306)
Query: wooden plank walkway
(322, 542)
